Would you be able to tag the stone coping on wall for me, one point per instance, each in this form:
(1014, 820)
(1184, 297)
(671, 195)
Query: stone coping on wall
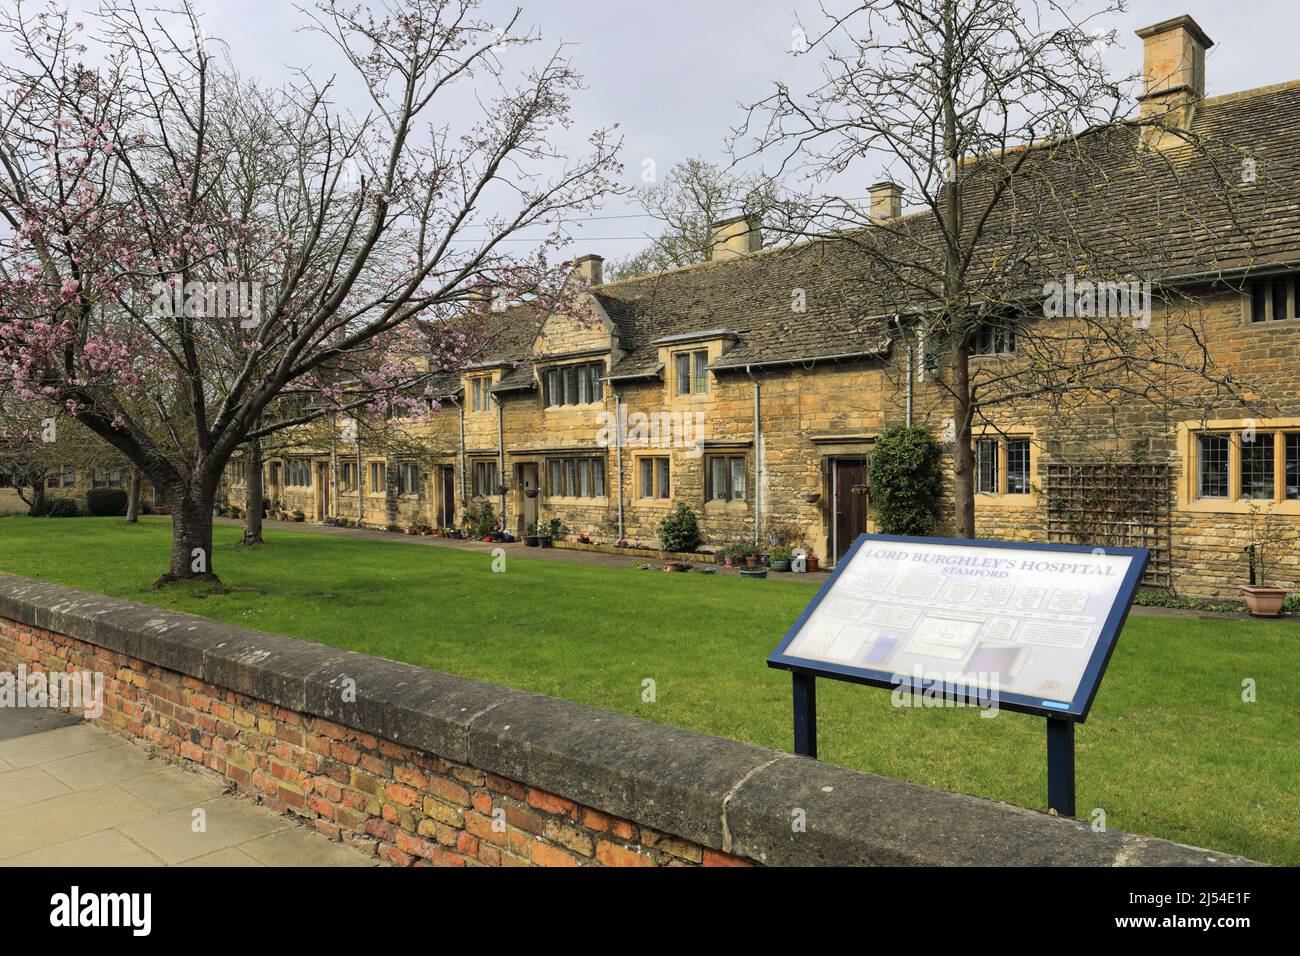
(730, 796)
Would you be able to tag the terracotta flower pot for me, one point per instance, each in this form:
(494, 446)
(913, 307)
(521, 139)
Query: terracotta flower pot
(1264, 601)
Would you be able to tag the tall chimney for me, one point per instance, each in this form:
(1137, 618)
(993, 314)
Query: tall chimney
(591, 268)
(1173, 77)
(886, 201)
(735, 237)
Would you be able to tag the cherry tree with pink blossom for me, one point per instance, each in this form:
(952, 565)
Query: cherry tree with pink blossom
(191, 261)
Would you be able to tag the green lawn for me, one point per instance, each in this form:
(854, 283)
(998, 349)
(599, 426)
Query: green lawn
(1170, 749)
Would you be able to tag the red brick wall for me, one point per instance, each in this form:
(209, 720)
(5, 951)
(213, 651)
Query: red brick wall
(407, 806)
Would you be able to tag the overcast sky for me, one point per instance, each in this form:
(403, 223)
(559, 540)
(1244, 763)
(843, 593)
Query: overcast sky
(672, 72)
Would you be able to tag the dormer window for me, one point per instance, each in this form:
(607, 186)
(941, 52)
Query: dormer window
(573, 384)
(692, 372)
(480, 393)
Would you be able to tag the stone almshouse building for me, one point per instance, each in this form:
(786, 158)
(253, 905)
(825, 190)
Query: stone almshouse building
(761, 417)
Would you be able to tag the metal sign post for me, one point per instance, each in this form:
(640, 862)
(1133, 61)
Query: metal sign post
(1060, 766)
(1022, 627)
(805, 714)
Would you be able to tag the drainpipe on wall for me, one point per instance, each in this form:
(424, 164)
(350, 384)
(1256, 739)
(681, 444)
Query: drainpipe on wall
(758, 460)
(618, 455)
(461, 456)
(361, 498)
(501, 456)
(334, 479)
(903, 334)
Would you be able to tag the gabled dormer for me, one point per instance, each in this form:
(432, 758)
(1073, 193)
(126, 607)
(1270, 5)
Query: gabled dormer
(686, 359)
(576, 346)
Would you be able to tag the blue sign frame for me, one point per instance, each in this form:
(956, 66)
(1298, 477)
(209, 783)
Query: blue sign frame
(1076, 710)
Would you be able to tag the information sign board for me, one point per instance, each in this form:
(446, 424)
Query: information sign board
(1021, 626)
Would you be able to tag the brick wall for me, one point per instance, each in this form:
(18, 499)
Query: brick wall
(421, 767)
(407, 806)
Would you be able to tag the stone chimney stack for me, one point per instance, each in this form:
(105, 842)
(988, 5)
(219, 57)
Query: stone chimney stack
(591, 268)
(1173, 77)
(735, 237)
(886, 201)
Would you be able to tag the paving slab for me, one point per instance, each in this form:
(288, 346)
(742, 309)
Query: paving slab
(103, 848)
(28, 785)
(98, 767)
(299, 846)
(229, 857)
(172, 835)
(55, 744)
(59, 819)
(169, 787)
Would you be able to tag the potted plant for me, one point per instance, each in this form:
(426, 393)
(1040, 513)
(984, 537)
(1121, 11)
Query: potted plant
(532, 539)
(811, 558)
(548, 531)
(779, 559)
(1267, 537)
(749, 555)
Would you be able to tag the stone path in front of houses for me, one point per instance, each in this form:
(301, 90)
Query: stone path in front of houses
(604, 560)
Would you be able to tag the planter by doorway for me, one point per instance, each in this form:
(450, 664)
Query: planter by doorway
(544, 540)
(531, 541)
(777, 564)
(1264, 601)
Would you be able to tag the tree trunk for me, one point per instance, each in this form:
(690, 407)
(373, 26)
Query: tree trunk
(36, 507)
(963, 452)
(133, 496)
(253, 493)
(191, 535)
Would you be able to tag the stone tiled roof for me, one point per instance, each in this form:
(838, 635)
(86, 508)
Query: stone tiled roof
(505, 336)
(1107, 206)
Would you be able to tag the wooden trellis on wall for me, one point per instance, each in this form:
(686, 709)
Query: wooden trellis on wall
(1124, 504)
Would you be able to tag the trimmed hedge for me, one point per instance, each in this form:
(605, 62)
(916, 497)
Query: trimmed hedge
(106, 502)
(906, 480)
(62, 508)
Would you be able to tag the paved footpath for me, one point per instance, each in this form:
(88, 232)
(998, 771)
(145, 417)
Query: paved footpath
(74, 795)
(601, 559)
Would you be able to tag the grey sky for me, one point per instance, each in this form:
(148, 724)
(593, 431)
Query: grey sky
(672, 72)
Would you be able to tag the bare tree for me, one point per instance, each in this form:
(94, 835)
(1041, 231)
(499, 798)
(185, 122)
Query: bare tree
(694, 195)
(170, 219)
(998, 119)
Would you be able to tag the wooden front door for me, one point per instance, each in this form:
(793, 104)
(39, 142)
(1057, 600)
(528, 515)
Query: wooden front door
(527, 507)
(322, 490)
(448, 497)
(850, 486)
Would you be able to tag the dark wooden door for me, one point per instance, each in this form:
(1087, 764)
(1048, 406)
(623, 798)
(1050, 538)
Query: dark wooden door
(448, 497)
(850, 503)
